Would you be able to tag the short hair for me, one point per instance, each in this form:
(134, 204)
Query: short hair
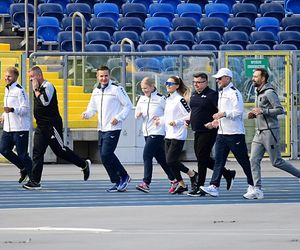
(37, 70)
(201, 75)
(13, 70)
(263, 72)
(103, 68)
(148, 81)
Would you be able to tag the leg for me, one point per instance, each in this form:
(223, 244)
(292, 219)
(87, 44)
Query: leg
(257, 153)
(148, 155)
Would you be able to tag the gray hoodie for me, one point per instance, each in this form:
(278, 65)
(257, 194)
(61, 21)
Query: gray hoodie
(267, 99)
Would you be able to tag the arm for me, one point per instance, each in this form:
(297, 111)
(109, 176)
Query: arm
(126, 103)
(23, 108)
(91, 109)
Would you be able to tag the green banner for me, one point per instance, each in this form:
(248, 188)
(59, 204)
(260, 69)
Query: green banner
(251, 64)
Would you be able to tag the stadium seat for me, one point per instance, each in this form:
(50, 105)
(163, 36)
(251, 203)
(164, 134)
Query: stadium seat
(272, 9)
(231, 47)
(119, 3)
(118, 36)
(267, 24)
(134, 10)
(64, 39)
(229, 3)
(240, 24)
(106, 10)
(202, 3)
(236, 37)
(185, 23)
(176, 47)
(256, 3)
(248, 10)
(131, 23)
(66, 24)
(170, 64)
(209, 37)
(4, 7)
(158, 23)
(47, 30)
(83, 8)
(162, 10)
(93, 62)
(149, 47)
(148, 64)
(283, 46)
(217, 10)
(17, 13)
(146, 3)
(289, 37)
(98, 37)
(63, 3)
(51, 9)
(154, 37)
(117, 48)
(292, 6)
(174, 3)
(291, 23)
(212, 24)
(209, 47)
(258, 47)
(182, 37)
(263, 37)
(190, 10)
(103, 24)
(89, 2)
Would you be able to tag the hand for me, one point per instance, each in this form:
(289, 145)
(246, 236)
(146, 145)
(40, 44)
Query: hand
(1, 119)
(251, 115)
(219, 115)
(114, 121)
(138, 114)
(187, 123)
(173, 123)
(156, 120)
(35, 84)
(209, 125)
(8, 109)
(215, 123)
(257, 111)
(84, 116)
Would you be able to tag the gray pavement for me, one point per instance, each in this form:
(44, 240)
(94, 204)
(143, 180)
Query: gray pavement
(126, 221)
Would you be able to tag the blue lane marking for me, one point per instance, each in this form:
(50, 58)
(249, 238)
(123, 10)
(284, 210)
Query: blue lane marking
(76, 193)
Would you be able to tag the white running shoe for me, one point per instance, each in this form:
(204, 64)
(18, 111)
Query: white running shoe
(253, 193)
(212, 190)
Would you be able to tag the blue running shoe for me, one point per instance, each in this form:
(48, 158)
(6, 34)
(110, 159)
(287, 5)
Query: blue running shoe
(124, 180)
(114, 188)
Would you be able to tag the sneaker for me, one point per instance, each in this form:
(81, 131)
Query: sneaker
(196, 193)
(144, 187)
(23, 175)
(230, 178)
(124, 181)
(114, 188)
(174, 184)
(31, 185)
(212, 190)
(180, 189)
(253, 193)
(86, 170)
(194, 181)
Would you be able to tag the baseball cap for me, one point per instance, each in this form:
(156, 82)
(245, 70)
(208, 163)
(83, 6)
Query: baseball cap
(223, 72)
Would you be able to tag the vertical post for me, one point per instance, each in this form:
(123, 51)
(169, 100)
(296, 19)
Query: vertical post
(26, 28)
(35, 26)
(65, 77)
(24, 80)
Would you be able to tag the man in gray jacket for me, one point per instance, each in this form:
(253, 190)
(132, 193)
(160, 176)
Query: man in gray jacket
(267, 136)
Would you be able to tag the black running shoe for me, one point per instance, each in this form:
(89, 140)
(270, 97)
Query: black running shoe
(196, 193)
(86, 170)
(194, 181)
(230, 178)
(23, 175)
(180, 189)
(31, 185)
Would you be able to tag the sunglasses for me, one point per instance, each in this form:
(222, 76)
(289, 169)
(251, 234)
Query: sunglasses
(169, 84)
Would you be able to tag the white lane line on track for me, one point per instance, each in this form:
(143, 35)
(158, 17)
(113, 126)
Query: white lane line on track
(69, 229)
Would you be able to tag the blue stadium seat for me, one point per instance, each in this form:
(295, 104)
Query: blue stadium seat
(63, 3)
(174, 3)
(185, 23)
(107, 10)
(190, 10)
(98, 37)
(83, 8)
(131, 23)
(207, 47)
(118, 36)
(154, 37)
(292, 6)
(158, 23)
(256, 3)
(146, 3)
(231, 47)
(182, 37)
(51, 9)
(64, 39)
(93, 62)
(272, 9)
(212, 24)
(283, 46)
(170, 64)
(162, 10)
(17, 13)
(248, 10)
(95, 48)
(148, 64)
(291, 23)
(263, 37)
(240, 24)
(119, 3)
(289, 37)
(217, 10)
(202, 3)
(229, 3)
(117, 48)
(47, 30)
(267, 24)
(4, 7)
(66, 24)
(209, 37)
(236, 37)
(258, 47)
(176, 47)
(103, 24)
(149, 47)
(134, 10)
(89, 2)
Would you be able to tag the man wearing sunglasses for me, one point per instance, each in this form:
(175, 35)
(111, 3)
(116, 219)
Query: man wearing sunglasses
(231, 133)
(204, 104)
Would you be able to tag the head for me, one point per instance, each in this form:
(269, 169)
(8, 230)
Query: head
(103, 75)
(175, 83)
(35, 73)
(148, 86)
(11, 75)
(200, 81)
(260, 77)
(223, 77)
